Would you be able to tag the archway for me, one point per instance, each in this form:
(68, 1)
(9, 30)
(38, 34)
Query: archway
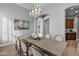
(72, 27)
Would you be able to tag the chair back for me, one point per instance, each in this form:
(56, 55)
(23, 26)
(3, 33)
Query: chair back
(47, 36)
(18, 43)
(18, 46)
(59, 38)
(25, 48)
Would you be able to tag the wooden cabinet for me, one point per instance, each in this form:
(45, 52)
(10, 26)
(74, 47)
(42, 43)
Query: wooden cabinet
(71, 36)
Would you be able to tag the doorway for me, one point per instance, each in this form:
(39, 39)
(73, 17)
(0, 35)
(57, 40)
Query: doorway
(46, 26)
(71, 28)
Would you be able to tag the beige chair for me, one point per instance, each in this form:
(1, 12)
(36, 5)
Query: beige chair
(47, 36)
(59, 38)
(25, 48)
(18, 46)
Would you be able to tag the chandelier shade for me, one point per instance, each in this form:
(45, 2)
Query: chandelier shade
(34, 11)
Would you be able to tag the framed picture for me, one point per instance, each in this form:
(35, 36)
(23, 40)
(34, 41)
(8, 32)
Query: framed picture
(21, 24)
(69, 23)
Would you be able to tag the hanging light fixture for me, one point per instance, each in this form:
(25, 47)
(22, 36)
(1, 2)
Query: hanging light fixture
(34, 11)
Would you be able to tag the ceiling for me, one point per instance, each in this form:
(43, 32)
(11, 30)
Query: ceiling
(29, 5)
(72, 11)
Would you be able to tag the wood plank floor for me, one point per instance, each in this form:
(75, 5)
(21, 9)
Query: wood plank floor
(71, 50)
(8, 51)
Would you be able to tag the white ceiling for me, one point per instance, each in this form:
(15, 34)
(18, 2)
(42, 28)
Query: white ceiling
(29, 5)
(72, 11)
(69, 11)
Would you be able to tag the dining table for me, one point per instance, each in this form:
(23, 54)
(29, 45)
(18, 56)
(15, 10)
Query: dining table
(48, 46)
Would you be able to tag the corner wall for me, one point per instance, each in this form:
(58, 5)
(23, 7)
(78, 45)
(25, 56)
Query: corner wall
(12, 11)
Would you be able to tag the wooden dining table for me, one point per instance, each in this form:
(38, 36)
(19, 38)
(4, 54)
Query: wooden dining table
(48, 46)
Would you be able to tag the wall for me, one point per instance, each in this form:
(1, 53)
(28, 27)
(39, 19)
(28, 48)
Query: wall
(77, 23)
(76, 18)
(56, 12)
(0, 26)
(13, 11)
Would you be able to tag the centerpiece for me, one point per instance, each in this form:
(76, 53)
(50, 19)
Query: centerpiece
(35, 37)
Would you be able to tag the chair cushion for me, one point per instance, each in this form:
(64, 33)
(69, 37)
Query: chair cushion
(23, 47)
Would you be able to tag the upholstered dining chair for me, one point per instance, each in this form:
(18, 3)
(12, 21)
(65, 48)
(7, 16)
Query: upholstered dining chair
(25, 48)
(48, 36)
(18, 46)
(59, 38)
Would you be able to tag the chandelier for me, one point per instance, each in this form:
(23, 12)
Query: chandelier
(34, 11)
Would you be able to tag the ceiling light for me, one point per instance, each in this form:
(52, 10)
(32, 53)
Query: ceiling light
(76, 11)
(72, 8)
(34, 11)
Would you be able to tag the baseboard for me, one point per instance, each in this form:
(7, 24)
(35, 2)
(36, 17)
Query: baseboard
(6, 44)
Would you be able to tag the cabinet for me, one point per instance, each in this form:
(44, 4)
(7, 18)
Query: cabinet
(71, 36)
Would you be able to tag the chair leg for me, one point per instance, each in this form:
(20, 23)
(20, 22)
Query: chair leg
(20, 49)
(27, 51)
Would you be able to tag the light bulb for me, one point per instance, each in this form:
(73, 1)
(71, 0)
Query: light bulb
(76, 11)
(35, 9)
(72, 8)
(39, 9)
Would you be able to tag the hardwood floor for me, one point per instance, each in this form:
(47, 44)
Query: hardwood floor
(71, 50)
(8, 51)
